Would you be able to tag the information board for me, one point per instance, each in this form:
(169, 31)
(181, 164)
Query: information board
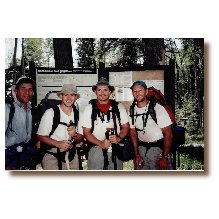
(49, 79)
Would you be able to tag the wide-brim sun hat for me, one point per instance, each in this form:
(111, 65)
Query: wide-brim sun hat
(68, 88)
(103, 81)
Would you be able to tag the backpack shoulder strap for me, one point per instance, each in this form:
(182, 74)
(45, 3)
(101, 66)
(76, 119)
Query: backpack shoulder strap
(131, 111)
(76, 115)
(56, 119)
(115, 109)
(94, 112)
(115, 113)
(151, 110)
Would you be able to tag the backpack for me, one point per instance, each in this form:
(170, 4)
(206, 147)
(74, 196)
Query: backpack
(154, 96)
(11, 115)
(124, 151)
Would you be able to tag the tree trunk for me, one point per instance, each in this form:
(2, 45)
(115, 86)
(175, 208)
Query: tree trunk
(63, 52)
(22, 58)
(153, 51)
(15, 54)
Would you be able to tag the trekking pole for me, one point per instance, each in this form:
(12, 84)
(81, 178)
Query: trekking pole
(114, 156)
(105, 156)
(113, 151)
(67, 152)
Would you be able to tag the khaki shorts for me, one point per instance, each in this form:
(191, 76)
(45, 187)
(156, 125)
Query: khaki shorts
(50, 162)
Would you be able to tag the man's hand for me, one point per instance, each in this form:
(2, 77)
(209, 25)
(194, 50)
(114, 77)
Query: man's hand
(105, 144)
(163, 163)
(71, 132)
(64, 144)
(114, 139)
(138, 161)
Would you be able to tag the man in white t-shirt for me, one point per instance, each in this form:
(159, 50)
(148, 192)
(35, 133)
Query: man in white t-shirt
(152, 140)
(99, 119)
(60, 145)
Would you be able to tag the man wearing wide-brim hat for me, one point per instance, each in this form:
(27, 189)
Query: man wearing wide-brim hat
(103, 81)
(101, 120)
(68, 131)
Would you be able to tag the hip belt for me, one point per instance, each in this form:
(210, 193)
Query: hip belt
(148, 145)
(61, 155)
(17, 147)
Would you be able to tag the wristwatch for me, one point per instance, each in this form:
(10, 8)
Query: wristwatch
(165, 156)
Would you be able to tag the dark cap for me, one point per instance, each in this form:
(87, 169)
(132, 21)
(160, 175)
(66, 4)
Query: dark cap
(103, 81)
(24, 80)
(142, 83)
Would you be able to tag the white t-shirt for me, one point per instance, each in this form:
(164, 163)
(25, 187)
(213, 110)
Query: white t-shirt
(100, 127)
(152, 132)
(60, 133)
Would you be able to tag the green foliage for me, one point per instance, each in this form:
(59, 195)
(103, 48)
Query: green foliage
(186, 163)
(120, 52)
(48, 52)
(189, 113)
(33, 50)
(85, 50)
(195, 138)
(189, 84)
(128, 165)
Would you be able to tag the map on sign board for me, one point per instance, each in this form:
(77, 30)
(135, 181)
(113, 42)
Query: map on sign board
(123, 94)
(60, 79)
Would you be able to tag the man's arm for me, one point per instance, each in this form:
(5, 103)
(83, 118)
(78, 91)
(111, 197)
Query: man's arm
(49, 141)
(124, 130)
(134, 140)
(168, 135)
(7, 110)
(78, 137)
(123, 133)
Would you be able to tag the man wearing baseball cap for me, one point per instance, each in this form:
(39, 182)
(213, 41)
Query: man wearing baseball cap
(151, 139)
(19, 151)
